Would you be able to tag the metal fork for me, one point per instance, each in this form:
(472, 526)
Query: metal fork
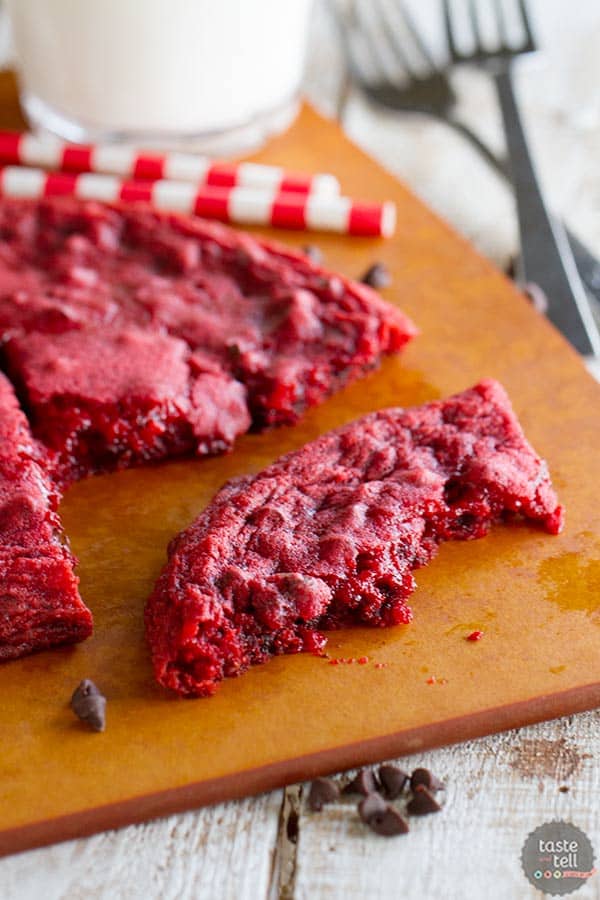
(430, 92)
(427, 90)
(546, 257)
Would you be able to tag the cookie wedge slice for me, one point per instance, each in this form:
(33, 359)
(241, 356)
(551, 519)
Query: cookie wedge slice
(40, 604)
(329, 535)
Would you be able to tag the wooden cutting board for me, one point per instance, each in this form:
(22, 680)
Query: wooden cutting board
(535, 597)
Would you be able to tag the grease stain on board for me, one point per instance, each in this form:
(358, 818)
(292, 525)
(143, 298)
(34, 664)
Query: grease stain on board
(557, 670)
(572, 583)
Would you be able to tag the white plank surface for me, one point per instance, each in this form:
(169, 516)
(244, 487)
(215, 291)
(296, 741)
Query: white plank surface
(498, 789)
(221, 852)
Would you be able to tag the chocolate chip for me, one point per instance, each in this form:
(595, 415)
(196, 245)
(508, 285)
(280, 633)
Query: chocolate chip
(89, 705)
(322, 791)
(377, 276)
(364, 782)
(370, 806)
(393, 780)
(422, 802)
(314, 253)
(390, 824)
(381, 817)
(234, 352)
(537, 296)
(564, 789)
(424, 777)
(85, 688)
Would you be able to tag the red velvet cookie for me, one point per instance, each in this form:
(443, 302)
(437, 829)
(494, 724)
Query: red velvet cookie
(266, 315)
(329, 535)
(133, 336)
(40, 604)
(107, 399)
(39, 601)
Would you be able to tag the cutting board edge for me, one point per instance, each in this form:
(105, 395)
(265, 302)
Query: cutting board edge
(153, 803)
(255, 781)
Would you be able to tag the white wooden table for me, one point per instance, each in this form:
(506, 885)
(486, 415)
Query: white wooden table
(499, 788)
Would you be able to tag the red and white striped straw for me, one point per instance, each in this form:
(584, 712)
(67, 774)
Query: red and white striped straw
(115, 159)
(239, 205)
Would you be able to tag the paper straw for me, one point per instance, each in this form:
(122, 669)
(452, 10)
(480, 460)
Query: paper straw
(238, 205)
(116, 159)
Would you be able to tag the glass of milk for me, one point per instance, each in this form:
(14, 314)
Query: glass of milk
(215, 74)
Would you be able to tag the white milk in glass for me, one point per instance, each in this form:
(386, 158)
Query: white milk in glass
(160, 69)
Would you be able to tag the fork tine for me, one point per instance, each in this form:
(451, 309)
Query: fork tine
(526, 25)
(414, 33)
(452, 48)
(501, 24)
(345, 27)
(388, 34)
(355, 64)
(474, 18)
(343, 30)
